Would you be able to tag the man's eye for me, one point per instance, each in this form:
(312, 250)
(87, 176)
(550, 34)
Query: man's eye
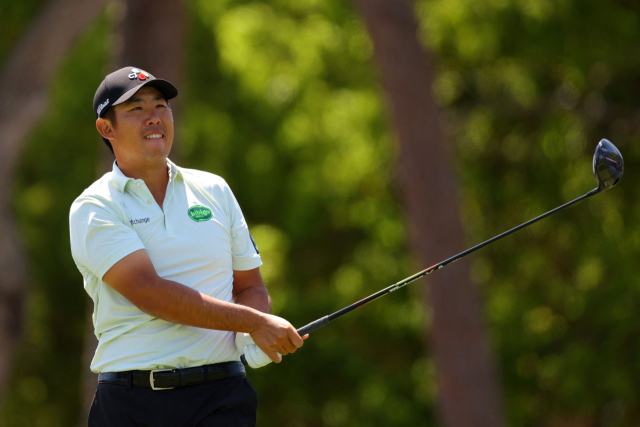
(136, 108)
(161, 105)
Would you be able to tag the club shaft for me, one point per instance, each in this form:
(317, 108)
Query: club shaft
(317, 324)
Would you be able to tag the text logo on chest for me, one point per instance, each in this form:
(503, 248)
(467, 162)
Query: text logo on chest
(139, 221)
(200, 213)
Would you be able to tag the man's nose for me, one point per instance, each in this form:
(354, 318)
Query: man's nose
(153, 119)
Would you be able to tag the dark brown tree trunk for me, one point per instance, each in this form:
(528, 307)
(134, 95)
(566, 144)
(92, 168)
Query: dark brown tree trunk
(150, 36)
(23, 83)
(468, 390)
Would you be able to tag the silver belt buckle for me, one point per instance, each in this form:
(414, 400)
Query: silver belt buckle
(151, 380)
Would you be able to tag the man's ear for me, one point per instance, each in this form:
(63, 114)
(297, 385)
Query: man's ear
(105, 128)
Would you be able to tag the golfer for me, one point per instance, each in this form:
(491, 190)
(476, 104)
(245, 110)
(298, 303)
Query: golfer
(173, 272)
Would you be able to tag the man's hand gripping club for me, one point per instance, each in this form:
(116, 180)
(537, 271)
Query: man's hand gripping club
(269, 341)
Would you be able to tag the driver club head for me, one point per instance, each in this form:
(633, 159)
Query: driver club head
(608, 165)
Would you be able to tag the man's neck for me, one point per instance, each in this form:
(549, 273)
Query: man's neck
(156, 177)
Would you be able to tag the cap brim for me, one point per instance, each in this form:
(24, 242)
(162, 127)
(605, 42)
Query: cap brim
(167, 90)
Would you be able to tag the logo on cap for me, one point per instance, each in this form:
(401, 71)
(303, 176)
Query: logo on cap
(101, 106)
(138, 74)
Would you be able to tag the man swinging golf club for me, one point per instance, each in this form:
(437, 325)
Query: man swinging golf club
(173, 272)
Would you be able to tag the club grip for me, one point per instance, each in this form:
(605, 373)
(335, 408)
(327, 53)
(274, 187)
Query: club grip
(316, 324)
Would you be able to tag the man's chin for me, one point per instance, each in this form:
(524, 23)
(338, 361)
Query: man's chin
(157, 149)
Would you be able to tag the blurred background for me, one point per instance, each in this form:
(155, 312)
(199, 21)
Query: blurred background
(365, 140)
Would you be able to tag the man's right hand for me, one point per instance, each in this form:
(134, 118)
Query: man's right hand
(275, 335)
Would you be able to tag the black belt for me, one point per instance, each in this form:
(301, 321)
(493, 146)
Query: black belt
(159, 379)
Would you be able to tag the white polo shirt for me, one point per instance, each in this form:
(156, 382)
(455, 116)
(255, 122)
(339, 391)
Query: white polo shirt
(197, 239)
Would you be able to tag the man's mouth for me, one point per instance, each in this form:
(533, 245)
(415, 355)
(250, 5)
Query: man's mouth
(153, 136)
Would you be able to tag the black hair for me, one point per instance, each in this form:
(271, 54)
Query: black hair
(111, 116)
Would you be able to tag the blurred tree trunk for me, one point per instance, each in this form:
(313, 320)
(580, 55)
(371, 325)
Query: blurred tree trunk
(23, 84)
(468, 390)
(150, 36)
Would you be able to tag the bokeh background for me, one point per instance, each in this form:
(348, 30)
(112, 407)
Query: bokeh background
(288, 101)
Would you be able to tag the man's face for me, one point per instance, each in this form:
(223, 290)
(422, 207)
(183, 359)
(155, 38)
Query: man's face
(144, 128)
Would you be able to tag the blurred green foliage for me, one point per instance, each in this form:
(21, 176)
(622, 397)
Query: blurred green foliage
(58, 163)
(282, 100)
(15, 18)
(530, 87)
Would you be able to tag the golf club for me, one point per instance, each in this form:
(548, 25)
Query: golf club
(608, 167)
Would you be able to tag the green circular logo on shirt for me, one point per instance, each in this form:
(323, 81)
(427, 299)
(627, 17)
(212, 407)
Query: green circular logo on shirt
(200, 213)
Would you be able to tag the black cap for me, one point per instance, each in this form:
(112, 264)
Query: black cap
(121, 85)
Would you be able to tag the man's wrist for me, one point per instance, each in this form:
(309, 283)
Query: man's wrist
(255, 319)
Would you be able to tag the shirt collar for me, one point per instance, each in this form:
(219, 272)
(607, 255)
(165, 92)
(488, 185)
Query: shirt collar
(174, 170)
(120, 180)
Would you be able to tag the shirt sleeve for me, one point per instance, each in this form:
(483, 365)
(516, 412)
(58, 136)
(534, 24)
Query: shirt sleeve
(99, 237)
(245, 253)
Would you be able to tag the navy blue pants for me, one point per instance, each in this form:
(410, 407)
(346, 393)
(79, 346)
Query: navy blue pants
(228, 402)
